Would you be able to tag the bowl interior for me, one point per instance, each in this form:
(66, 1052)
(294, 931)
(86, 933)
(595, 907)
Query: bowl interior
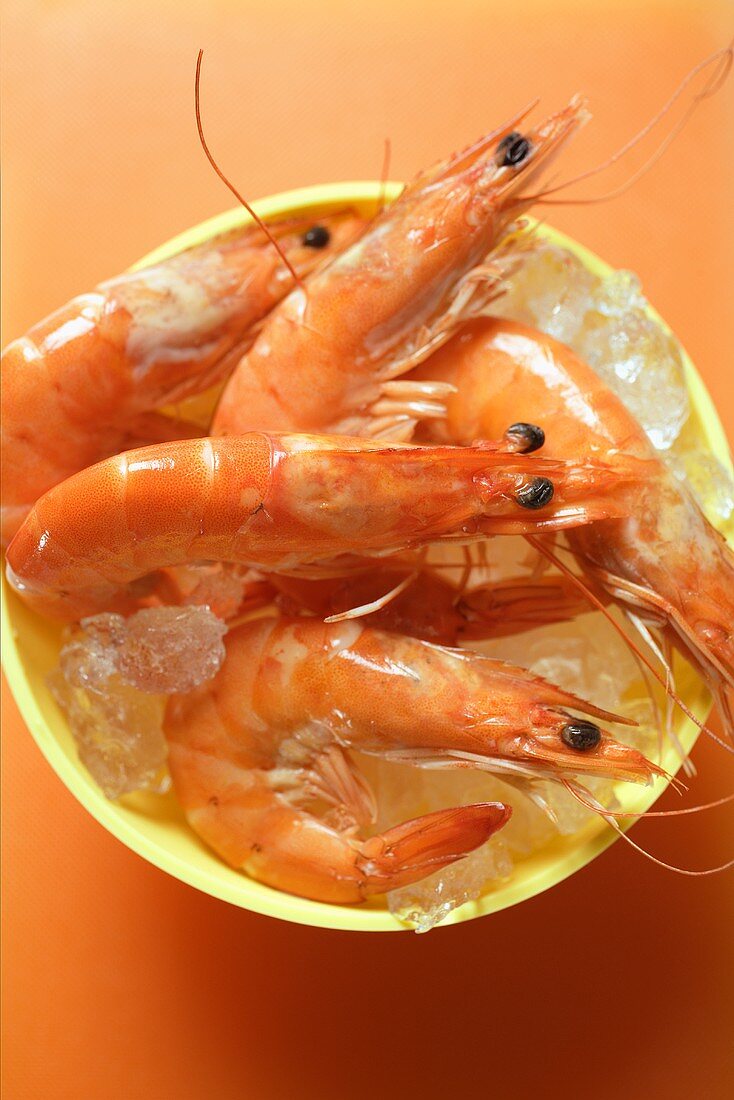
(154, 826)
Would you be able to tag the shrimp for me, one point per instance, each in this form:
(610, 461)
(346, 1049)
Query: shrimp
(420, 603)
(292, 504)
(660, 558)
(329, 357)
(256, 752)
(85, 382)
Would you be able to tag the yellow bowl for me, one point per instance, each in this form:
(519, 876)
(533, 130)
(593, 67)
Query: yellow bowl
(154, 826)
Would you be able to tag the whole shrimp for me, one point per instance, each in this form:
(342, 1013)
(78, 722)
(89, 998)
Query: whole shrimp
(661, 559)
(255, 752)
(328, 358)
(283, 503)
(85, 382)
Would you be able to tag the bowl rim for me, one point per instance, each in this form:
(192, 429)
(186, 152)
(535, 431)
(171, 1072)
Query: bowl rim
(545, 869)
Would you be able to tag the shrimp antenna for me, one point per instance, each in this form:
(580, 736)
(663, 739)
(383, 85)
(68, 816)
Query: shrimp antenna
(373, 605)
(253, 214)
(723, 801)
(594, 599)
(382, 601)
(384, 176)
(725, 56)
(592, 804)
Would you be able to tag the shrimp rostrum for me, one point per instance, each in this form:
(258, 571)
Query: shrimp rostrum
(260, 756)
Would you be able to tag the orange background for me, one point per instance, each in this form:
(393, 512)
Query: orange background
(123, 982)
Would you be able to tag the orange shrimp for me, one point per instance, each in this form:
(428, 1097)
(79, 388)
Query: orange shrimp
(328, 358)
(662, 560)
(420, 603)
(257, 752)
(284, 503)
(84, 383)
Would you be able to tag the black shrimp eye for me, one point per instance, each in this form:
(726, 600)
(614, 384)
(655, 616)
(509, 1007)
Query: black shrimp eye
(581, 736)
(318, 236)
(536, 493)
(513, 149)
(525, 437)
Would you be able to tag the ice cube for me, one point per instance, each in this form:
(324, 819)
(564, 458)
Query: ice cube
(159, 649)
(113, 678)
(639, 361)
(405, 792)
(87, 659)
(605, 322)
(585, 656)
(618, 293)
(118, 733)
(170, 649)
(425, 904)
(551, 290)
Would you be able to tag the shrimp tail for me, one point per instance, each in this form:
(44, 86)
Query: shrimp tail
(410, 851)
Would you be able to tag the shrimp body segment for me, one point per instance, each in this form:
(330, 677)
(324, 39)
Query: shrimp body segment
(328, 358)
(660, 558)
(263, 749)
(283, 503)
(84, 383)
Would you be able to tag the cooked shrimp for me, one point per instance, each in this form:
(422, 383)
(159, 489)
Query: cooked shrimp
(663, 561)
(84, 383)
(420, 603)
(284, 503)
(255, 753)
(328, 358)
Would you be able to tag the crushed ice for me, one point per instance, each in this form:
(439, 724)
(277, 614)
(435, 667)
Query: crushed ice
(605, 321)
(118, 732)
(115, 673)
(112, 682)
(587, 657)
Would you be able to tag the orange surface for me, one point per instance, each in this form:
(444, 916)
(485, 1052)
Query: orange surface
(123, 982)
